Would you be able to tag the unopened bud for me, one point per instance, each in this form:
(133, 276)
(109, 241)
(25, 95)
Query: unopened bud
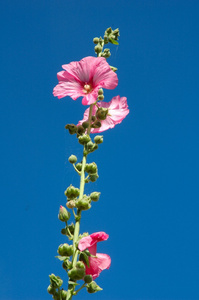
(93, 287)
(95, 196)
(101, 97)
(67, 264)
(100, 92)
(65, 250)
(98, 48)
(71, 192)
(106, 40)
(98, 139)
(109, 30)
(79, 166)
(55, 281)
(84, 139)
(72, 159)
(101, 113)
(85, 124)
(63, 215)
(88, 278)
(83, 204)
(72, 128)
(51, 290)
(76, 273)
(80, 130)
(91, 168)
(63, 294)
(93, 177)
(71, 204)
(96, 40)
(93, 118)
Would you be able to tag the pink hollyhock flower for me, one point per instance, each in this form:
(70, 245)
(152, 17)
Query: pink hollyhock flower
(84, 78)
(117, 111)
(101, 261)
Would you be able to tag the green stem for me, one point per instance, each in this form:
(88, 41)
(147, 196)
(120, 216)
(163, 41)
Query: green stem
(81, 193)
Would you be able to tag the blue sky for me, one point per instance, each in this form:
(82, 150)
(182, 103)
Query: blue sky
(148, 165)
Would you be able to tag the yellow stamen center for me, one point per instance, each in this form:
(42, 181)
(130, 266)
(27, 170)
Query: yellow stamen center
(87, 88)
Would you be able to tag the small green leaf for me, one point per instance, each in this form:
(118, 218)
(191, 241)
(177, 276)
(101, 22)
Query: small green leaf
(84, 258)
(62, 258)
(113, 41)
(73, 283)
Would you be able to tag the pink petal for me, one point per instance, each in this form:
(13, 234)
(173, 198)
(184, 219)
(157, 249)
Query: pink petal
(98, 264)
(90, 240)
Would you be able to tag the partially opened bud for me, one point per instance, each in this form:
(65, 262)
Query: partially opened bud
(63, 215)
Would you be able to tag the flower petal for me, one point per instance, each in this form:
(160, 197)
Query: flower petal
(90, 240)
(98, 264)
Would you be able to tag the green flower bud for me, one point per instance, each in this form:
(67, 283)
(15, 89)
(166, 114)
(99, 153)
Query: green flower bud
(95, 196)
(93, 287)
(101, 97)
(98, 48)
(98, 139)
(67, 264)
(107, 53)
(51, 290)
(55, 281)
(83, 204)
(76, 273)
(85, 124)
(93, 177)
(71, 228)
(88, 279)
(72, 128)
(63, 215)
(80, 130)
(56, 296)
(96, 124)
(80, 265)
(72, 159)
(71, 204)
(106, 40)
(84, 139)
(101, 113)
(65, 250)
(108, 30)
(79, 166)
(90, 145)
(91, 168)
(96, 40)
(100, 92)
(71, 192)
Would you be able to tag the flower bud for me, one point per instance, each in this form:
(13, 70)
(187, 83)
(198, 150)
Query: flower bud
(98, 139)
(71, 204)
(79, 166)
(91, 168)
(55, 281)
(93, 177)
(63, 215)
(67, 264)
(101, 97)
(85, 124)
(95, 196)
(88, 278)
(83, 204)
(101, 113)
(80, 130)
(72, 159)
(96, 124)
(51, 290)
(72, 128)
(80, 265)
(71, 192)
(65, 250)
(98, 48)
(89, 145)
(84, 139)
(93, 118)
(100, 92)
(93, 287)
(108, 30)
(76, 273)
(96, 40)
(106, 40)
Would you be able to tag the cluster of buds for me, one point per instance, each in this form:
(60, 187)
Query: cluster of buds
(110, 36)
(54, 288)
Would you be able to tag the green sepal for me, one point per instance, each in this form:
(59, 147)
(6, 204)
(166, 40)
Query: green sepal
(93, 287)
(112, 41)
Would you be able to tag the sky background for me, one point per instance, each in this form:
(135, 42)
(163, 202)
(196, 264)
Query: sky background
(148, 165)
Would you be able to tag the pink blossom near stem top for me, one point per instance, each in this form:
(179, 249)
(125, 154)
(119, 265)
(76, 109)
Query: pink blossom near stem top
(101, 261)
(117, 111)
(84, 78)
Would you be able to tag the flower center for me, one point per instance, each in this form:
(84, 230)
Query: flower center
(87, 88)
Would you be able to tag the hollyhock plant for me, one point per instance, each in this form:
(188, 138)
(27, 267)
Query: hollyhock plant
(117, 111)
(101, 261)
(84, 78)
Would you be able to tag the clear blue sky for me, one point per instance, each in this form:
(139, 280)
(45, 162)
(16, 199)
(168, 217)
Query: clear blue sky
(148, 165)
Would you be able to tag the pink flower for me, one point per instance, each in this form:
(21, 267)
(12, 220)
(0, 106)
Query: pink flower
(101, 261)
(117, 111)
(84, 78)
